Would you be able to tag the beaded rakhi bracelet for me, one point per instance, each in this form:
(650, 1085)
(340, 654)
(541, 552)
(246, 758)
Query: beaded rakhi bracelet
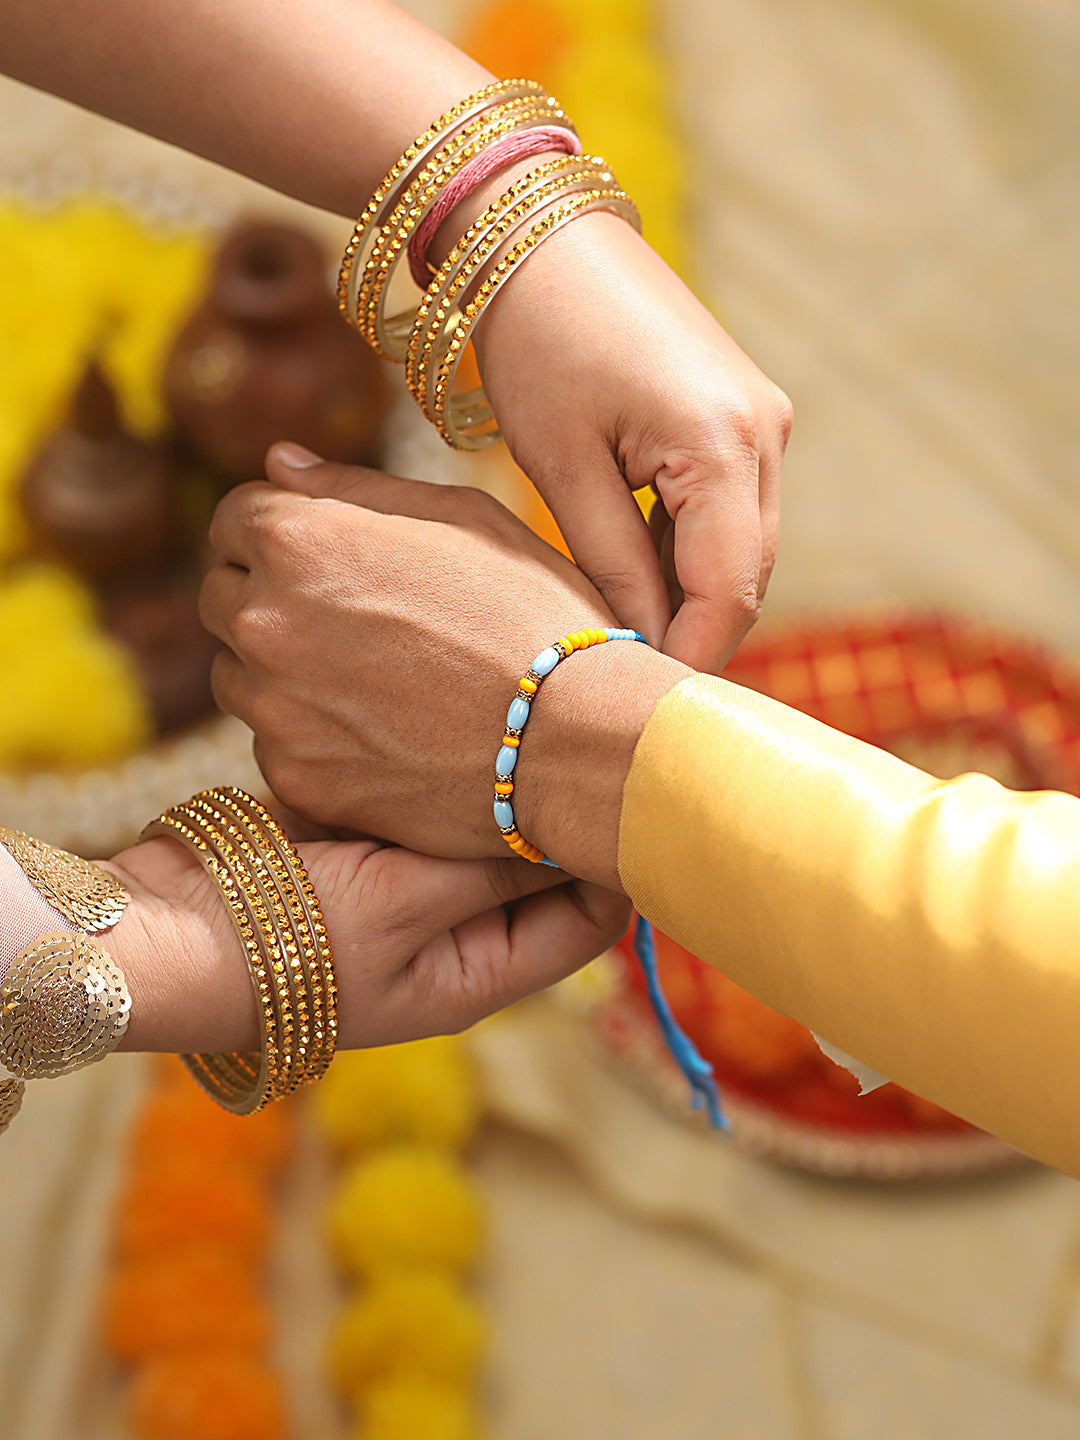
(516, 718)
(698, 1072)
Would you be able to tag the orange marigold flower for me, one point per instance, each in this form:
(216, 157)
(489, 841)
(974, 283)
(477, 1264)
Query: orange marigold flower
(181, 1202)
(213, 1394)
(193, 1296)
(180, 1117)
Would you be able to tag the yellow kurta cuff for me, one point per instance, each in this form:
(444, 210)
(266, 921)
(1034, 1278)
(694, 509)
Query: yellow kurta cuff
(930, 928)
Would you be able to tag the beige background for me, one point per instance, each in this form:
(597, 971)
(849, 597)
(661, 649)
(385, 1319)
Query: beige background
(886, 212)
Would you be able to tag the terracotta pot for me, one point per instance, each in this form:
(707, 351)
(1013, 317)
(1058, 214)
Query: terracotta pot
(267, 356)
(97, 499)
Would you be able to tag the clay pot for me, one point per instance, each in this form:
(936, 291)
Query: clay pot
(97, 499)
(159, 626)
(267, 356)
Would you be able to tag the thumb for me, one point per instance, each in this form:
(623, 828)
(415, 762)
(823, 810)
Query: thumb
(292, 467)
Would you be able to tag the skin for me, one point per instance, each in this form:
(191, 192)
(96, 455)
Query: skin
(421, 946)
(605, 373)
(363, 614)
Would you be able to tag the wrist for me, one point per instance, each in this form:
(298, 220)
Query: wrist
(576, 753)
(181, 956)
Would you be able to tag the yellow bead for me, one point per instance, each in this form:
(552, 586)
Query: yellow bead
(597, 636)
(504, 787)
(527, 685)
(567, 643)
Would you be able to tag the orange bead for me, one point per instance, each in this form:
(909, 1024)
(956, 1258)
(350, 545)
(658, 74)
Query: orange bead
(514, 740)
(504, 787)
(529, 686)
(568, 644)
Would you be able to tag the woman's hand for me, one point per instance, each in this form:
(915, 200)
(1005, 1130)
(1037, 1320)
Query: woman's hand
(374, 648)
(421, 946)
(607, 375)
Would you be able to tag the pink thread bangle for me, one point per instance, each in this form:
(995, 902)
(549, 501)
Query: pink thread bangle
(507, 150)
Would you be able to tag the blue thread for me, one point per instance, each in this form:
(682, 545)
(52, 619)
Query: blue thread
(698, 1071)
(699, 1075)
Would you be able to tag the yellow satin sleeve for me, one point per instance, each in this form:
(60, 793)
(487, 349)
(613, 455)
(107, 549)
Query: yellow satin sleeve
(930, 928)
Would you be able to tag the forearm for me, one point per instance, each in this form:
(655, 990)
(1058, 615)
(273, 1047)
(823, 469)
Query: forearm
(930, 928)
(315, 98)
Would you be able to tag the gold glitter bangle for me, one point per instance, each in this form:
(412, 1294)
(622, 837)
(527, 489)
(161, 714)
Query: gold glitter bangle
(440, 312)
(296, 914)
(277, 914)
(388, 335)
(465, 421)
(243, 1083)
(314, 952)
(412, 159)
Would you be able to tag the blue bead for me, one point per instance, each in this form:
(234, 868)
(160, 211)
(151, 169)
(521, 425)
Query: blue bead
(517, 714)
(545, 662)
(504, 813)
(506, 760)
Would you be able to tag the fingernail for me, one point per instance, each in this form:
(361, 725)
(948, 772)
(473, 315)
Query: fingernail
(296, 456)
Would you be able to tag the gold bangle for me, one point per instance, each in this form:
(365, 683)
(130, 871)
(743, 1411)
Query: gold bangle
(440, 313)
(465, 421)
(305, 945)
(414, 156)
(276, 911)
(388, 335)
(241, 1082)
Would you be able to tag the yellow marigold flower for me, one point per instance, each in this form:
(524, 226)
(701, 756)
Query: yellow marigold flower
(410, 1409)
(71, 695)
(409, 1205)
(416, 1324)
(423, 1091)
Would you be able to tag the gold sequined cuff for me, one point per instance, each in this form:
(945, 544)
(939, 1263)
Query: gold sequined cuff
(277, 915)
(87, 896)
(63, 1005)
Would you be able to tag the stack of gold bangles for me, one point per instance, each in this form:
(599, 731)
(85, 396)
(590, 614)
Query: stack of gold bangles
(64, 1003)
(276, 912)
(429, 331)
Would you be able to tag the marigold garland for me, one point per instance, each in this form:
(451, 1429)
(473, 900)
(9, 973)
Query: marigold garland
(184, 1307)
(405, 1216)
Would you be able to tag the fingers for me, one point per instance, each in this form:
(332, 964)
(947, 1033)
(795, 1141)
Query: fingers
(495, 959)
(423, 897)
(222, 594)
(609, 538)
(718, 555)
(355, 485)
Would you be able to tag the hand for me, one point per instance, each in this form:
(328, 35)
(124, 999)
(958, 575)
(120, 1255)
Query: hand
(421, 946)
(607, 375)
(374, 647)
